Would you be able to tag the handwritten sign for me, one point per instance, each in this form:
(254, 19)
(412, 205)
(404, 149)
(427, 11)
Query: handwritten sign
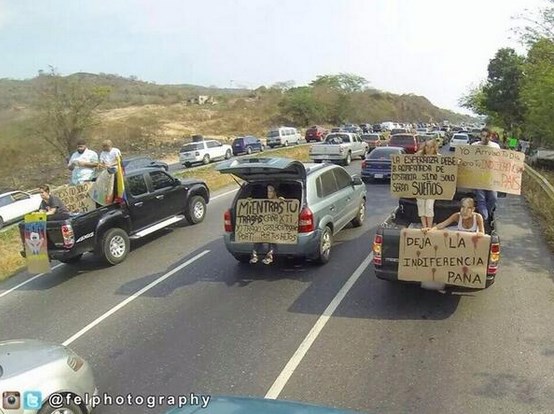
(36, 250)
(76, 198)
(423, 176)
(267, 221)
(488, 168)
(102, 190)
(451, 257)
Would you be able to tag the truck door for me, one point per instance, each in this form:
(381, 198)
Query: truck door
(144, 207)
(170, 196)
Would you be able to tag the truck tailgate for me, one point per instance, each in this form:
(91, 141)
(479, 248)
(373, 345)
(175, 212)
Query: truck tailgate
(390, 248)
(325, 149)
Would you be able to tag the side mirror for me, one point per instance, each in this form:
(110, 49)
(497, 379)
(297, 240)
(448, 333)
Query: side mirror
(357, 180)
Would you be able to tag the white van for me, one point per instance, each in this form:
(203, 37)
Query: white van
(282, 136)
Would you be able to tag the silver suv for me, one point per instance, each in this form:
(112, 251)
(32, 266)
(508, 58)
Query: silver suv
(329, 198)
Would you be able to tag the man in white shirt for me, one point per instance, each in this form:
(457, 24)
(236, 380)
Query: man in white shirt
(108, 156)
(486, 199)
(82, 164)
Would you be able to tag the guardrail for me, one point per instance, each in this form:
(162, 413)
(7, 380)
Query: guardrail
(543, 182)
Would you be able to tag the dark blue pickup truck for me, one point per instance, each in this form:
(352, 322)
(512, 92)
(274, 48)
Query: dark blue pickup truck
(154, 200)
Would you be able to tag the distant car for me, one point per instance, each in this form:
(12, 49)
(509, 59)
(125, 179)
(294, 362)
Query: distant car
(458, 140)
(366, 128)
(397, 131)
(378, 164)
(204, 152)
(247, 145)
(336, 129)
(315, 133)
(355, 129)
(283, 136)
(134, 163)
(377, 128)
(409, 142)
(329, 197)
(16, 204)
(31, 371)
(374, 140)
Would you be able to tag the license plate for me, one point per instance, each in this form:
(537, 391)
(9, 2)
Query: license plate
(378, 175)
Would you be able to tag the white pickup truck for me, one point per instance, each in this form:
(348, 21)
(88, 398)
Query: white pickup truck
(339, 146)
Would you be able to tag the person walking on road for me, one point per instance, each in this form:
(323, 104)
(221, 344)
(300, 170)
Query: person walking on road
(82, 164)
(486, 199)
(426, 206)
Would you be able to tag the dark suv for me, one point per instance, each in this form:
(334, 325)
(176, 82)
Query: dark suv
(247, 144)
(315, 133)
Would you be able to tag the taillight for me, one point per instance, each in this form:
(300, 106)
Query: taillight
(68, 236)
(227, 222)
(377, 243)
(305, 221)
(494, 258)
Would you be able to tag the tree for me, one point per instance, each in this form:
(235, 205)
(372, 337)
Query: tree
(345, 82)
(300, 107)
(538, 26)
(66, 110)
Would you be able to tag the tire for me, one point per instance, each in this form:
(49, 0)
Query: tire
(115, 246)
(325, 244)
(1, 222)
(248, 150)
(286, 144)
(261, 148)
(187, 164)
(348, 159)
(206, 159)
(360, 216)
(65, 408)
(227, 154)
(196, 210)
(72, 260)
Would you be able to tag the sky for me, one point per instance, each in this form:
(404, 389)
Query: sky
(435, 48)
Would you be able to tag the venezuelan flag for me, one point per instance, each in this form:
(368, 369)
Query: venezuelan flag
(120, 183)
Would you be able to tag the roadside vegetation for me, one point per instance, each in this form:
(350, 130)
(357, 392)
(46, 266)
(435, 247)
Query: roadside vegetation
(541, 205)
(11, 261)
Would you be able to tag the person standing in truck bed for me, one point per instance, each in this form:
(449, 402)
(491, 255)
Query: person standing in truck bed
(425, 207)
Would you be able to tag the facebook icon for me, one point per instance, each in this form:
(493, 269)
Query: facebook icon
(32, 400)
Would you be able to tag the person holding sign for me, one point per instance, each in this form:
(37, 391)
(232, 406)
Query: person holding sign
(52, 205)
(425, 206)
(468, 220)
(272, 195)
(486, 199)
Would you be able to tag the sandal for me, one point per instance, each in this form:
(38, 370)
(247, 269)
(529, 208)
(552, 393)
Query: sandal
(268, 258)
(254, 258)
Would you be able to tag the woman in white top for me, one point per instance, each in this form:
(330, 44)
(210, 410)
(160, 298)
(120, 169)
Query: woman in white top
(468, 220)
(426, 207)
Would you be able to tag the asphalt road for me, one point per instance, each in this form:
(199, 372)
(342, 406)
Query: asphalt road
(213, 326)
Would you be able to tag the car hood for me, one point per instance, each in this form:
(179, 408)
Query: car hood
(252, 169)
(22, 355)
(246, 405)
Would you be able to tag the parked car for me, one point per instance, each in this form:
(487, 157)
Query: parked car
(409, 142)
(133, 163)
(329, 196)
(32, 371)
(16, 204)
(458, 140)
(247, 145)
(204, 152)
(154, 199)
(374, 140)
(378, 164)
(283, 136)
(315, 133)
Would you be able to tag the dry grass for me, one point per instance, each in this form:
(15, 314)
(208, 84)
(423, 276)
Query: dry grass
(216, 181)
(10, 260)
(541, 205)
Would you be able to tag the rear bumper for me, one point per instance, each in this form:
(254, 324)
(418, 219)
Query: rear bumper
(392, 275)
(328, 157)
(59, 254)
(372, 173)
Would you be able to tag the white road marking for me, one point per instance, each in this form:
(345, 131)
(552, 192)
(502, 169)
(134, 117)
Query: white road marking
(295, 360)
(132, 298)
(28, 281)
(224, 194)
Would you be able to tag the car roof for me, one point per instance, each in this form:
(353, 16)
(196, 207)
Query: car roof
(142, 170)
(11, 192)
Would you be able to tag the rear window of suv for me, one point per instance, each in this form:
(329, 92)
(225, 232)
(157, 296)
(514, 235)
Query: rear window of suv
(401, 139)
(193, 147)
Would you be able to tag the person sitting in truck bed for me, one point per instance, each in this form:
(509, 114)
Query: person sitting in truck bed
(52, 205)
(468, 220)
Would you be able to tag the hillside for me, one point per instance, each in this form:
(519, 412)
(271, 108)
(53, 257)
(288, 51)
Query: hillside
(145, 118)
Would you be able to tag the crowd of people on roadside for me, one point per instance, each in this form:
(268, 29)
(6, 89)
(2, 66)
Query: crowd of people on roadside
(85, 164)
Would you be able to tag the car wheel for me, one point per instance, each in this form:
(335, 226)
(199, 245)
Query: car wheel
(348, 159)
(196, 210)
(249, 150)
(115, 246)
(206, 159)
(1, 222)
(359, 219)
(72, 260)
(227, 155)
(286, 143)
(261, 148)
(65, 408)
(325, 243)
(187, 164)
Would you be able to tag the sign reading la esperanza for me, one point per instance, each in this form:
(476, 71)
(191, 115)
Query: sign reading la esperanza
(451, 257)
(424, 176)
(267, 221)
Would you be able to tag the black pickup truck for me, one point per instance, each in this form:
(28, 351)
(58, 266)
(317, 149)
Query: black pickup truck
(386, 243)
(154, 200)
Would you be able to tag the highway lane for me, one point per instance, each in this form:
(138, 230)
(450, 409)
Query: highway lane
(216, 326)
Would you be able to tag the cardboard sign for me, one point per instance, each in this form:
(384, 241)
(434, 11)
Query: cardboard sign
(267, 221)
(36, 250)
(451, 257)
(488, 168)
(75, 197)
(102, 189)
(424, 176)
